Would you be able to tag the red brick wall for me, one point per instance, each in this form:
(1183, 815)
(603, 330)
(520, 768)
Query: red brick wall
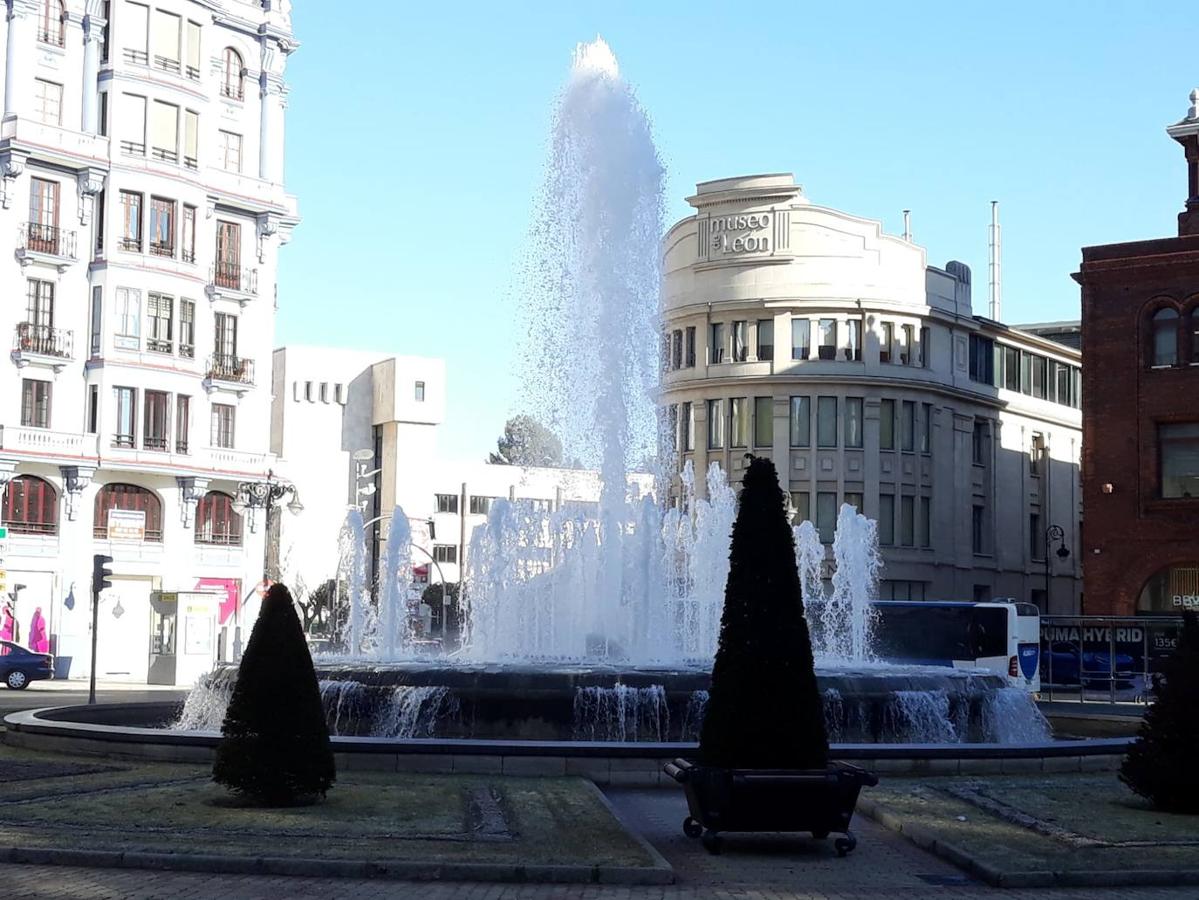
(1130, 534)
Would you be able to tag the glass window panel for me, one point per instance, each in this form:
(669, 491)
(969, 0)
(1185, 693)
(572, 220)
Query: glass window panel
(926, 428)
(886, 520)
(907, 433)
(801, 503)
(763, 421)
(853, 422)
(801, 338)
(740, 344)
(1179, 448)
(739, 419)
(886, 425)
(715, 424)
(716, 343)
(907, 521)
(828, 338)
(765, 339)
(1165, 337)
(826, 516)
(925, 522)
(886, 341)
(853, 350)
(826, 422)
(801, 421)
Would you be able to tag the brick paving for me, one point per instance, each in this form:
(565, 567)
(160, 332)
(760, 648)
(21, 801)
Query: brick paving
(884, 865)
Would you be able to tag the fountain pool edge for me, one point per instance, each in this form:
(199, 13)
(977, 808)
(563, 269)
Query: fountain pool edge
(127, 730)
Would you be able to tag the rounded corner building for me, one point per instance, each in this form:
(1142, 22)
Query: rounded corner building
(806, 333)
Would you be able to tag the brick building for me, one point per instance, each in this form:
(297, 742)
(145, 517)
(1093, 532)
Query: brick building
(1140, 328)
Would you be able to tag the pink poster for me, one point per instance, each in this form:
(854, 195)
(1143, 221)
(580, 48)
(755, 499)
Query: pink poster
(232, 590)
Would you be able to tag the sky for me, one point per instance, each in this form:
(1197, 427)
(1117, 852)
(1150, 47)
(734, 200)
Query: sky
(417, 138)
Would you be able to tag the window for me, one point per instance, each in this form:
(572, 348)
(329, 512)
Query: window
(1194, 329)
(221, 432)
(886, 520)
(228, 255)
(886, 341)
(763, 421)
(826, 421)
(740, 344)
(891, 589)
(30, 506)
(907, 345)
(716, 343)
(447, 503)
(217, 522)
(1165, 337)
(106, 12)
(982, 359)
(39, 316)
(926, 427)
(187, 329)
(739, 419)
(191, 139)
(801, 421)
(1040, 377)
(183, 405)
(676, 349)
(135, 31)
(162, 227)
(854, 499)
(51, 29)
(35, 403)
(93, 410)
(886, 425)
(828, 339)
(133, 125)
(96, 326)
(690, 354)
(907, 426)
(229, 149)
(688, 424)
(926, 522)
(715, 424)
(101, 215)
(853, 350)
(1059, 374)
(126, 420)
(420, 392)
(324, 392)
(129, 497)
(766, 339)
(1036, 540)
(1179, 448)
(339, 393)
(976, 528)
(233, 76)
(164, 131)
(47, 102)
(1011, 368)
(479, 506)
(801, 338)
(801, 503)
(853, 422)
(1037, 455)
(165, 41)
(160, 313)
(924, 350)
(826, 516)
(979, 442)
(194, 51)
(907, 521)
(309, 394)
(42, 235)
(1025, 372)
(131, 221)
(445, 553)
(155, 430)
(225, 339)
(187, 249)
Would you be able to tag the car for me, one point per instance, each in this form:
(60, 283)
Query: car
(1063, 664)
(19, 666)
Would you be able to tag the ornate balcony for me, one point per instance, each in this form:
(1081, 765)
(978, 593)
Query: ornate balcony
(227, 372)
(233, 282)
(43, 345)
(47, 244)
(42, 442)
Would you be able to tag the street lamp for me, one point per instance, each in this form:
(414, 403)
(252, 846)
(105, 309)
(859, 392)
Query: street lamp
(440, 574)
(1053, 533)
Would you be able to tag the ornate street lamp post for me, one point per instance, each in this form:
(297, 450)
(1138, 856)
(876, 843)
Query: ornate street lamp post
(1054, 533)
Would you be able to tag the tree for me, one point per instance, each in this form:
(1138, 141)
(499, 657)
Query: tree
(764, 709)
(526, 442)
(323, 609)
(1161, 764)
(274, 747)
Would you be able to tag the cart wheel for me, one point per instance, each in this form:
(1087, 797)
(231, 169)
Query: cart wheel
(820, 835)
(692, 828)
(845, 844)
(712, 842)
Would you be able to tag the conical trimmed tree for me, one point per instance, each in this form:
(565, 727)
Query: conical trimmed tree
(764, 709)
(1161, 764)
(275, 747)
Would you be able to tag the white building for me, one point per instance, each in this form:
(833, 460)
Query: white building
(806, 334)
(354, 427)
(141, 150)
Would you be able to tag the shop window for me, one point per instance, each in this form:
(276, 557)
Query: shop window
(30, 506)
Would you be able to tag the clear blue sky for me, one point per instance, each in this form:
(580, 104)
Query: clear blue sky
(417, 135)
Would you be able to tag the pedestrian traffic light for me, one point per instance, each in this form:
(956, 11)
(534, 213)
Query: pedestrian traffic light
(101, 573)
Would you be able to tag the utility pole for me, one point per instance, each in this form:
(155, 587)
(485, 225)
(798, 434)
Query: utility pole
(101, 579)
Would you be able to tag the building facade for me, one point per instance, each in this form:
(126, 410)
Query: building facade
(1140, 324)
(806, 334)
(142, 208)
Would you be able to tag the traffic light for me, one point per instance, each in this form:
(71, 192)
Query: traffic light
(101, 573)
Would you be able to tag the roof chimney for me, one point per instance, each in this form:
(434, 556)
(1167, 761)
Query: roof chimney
(996, 309)
(1186, 133)
(907, 225)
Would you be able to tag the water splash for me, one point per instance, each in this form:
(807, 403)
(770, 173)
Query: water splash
(1011, 717)
(414, 711)
(621, 713)
(352, 567)
(204, 708)
(394, 634)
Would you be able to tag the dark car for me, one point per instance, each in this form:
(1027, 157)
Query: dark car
(1067, 665)
(19, 666)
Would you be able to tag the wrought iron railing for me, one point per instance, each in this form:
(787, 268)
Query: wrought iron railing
(48, 239)
(233, 91)
(166, 64)
(137, 57)
(133, 148)
(45, 340)
(235, 278)
(231, 369)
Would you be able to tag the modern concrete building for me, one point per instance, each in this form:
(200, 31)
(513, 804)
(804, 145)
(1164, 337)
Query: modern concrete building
(142, 208)
(806, 334)
(1140, 325)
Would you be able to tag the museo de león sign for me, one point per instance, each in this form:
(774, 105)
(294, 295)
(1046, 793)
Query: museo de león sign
(740, 234)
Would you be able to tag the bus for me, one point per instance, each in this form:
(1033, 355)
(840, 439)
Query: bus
(1002, 636)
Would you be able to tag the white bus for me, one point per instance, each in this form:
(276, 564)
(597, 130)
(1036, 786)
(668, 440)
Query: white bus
(1003, 637)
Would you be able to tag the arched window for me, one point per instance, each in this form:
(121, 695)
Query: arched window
(30, 506)
(1192, 333)
(217, 522)
(52, 28)
(1172, 590)
(132, 499)
(233, 84)
(1164, 327)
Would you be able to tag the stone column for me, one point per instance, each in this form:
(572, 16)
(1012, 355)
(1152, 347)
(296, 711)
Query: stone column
(21, 37)
(93, 34)
(270, 150)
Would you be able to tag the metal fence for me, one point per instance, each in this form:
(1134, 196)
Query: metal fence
(1104, 659)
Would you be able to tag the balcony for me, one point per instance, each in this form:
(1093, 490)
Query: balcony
(232, 282)
(43, 345)
(42, 442)
(46, 244)
(228, 372)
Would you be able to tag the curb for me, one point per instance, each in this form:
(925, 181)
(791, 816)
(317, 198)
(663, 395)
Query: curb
(925, 839)
(339, 868)
(660, 863)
